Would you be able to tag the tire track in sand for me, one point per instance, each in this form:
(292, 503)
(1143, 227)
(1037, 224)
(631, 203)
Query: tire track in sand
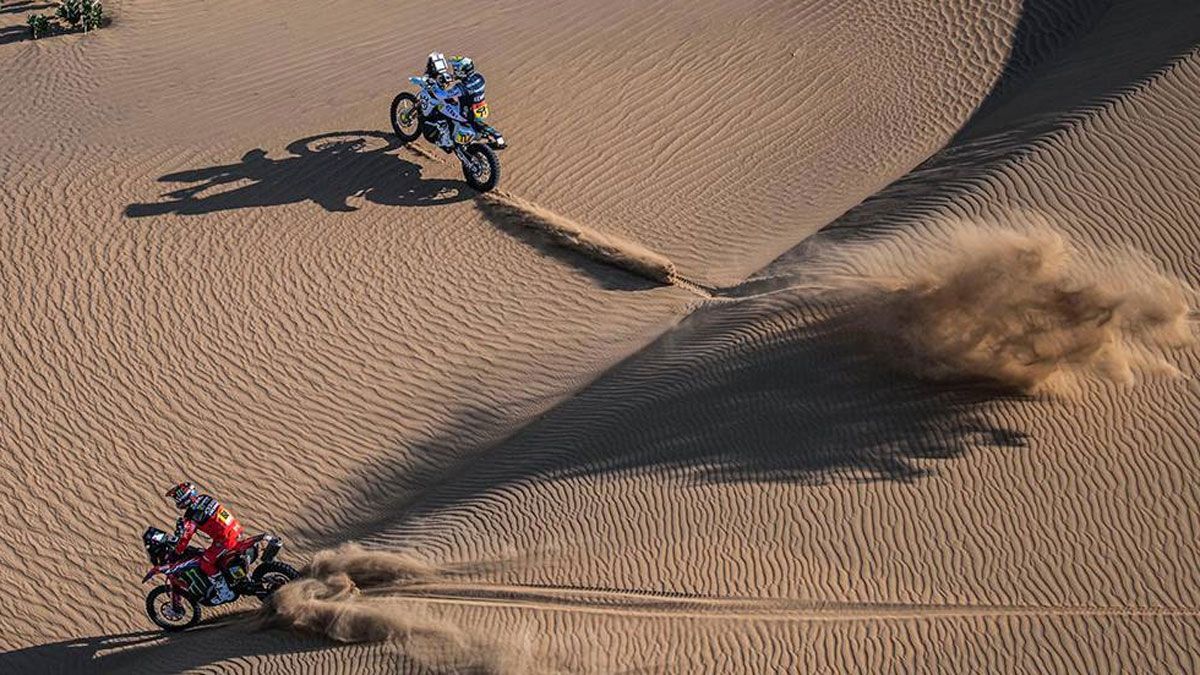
(602, 247)
(682, 605)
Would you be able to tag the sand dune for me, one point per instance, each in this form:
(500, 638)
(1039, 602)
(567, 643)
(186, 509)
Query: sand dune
(709, 387)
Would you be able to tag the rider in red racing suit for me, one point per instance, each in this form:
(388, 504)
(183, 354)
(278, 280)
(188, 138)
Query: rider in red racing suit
(205, 513)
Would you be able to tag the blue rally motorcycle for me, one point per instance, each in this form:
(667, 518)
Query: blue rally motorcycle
(464, 114)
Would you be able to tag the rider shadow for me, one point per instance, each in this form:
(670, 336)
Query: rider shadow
(233, 636)
(101, 653)
(327, 169)
(74, 656)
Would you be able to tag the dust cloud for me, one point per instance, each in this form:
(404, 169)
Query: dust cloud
(343, 595)
(1025, 311)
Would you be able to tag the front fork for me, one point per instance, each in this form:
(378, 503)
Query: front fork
(468, 162)
(176, 598)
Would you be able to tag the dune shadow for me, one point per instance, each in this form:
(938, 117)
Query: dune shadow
(752, 393)
(808, 408)
(716, 400)
(1045, 28)
(742, 392)
(327, 169)
(1034, 95)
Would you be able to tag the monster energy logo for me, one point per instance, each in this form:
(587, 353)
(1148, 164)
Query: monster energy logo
(195, 580)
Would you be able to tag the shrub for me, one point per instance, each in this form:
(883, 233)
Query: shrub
(93, 14)
(39, 26)
(81, 14)
(70, 11)
(86, 14)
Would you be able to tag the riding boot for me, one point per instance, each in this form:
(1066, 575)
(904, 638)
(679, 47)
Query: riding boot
(220, 591)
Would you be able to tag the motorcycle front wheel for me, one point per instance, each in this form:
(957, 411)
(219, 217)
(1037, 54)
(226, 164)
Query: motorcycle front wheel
(168, 616)
(406, 117)
(483, 173)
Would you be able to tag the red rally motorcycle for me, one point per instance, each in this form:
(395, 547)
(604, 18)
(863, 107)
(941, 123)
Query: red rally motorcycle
(175, 605)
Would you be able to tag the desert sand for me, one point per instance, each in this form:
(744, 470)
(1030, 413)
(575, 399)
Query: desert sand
(802, 336)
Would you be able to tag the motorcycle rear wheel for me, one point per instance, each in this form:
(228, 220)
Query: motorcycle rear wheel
(405, 106)
(489, 165)
(158, 607)
(271, 575)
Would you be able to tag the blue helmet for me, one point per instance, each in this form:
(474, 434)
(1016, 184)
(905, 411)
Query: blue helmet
(464, 67)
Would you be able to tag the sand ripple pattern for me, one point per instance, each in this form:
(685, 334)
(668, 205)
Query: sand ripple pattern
(208, 258)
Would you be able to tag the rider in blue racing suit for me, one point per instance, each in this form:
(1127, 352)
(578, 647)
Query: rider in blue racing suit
(447, 89)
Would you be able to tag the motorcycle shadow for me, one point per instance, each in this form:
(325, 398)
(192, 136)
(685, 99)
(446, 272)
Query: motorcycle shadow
(327, 169)
(232, 635)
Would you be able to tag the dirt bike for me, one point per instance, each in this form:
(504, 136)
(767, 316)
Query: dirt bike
(462, 116)
(175, 605)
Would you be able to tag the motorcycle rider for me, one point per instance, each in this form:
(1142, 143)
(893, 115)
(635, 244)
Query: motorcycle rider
(447, 76)
(205, 513)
